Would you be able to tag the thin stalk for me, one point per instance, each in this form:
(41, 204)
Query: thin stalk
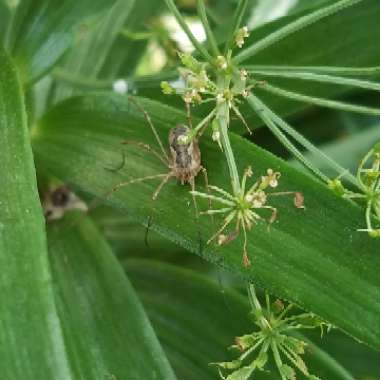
(210, 35)
(364, 71)
(293, 27)
(238, 17)
(323, 78)
(311, 147)
(320, 101)
(255, 304)
(262, 111)
(223, 117)
(186, 29)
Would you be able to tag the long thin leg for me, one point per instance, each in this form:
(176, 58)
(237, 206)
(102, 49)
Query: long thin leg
(192, 184)
(149, 121)
(161, 185)
(135, 180)
(148, 148)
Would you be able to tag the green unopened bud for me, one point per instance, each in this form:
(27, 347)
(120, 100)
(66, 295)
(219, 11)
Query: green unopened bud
(167, 89)
(190, 62)
(336, 186)
(374, 233)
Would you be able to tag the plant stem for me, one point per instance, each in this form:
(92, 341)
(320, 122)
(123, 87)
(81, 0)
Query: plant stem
(210, 35)
(223, 117)
(186, 29)
(240, 10)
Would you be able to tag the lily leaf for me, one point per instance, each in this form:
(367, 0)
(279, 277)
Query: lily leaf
(107, 332)
(31, 340)
(314, 257)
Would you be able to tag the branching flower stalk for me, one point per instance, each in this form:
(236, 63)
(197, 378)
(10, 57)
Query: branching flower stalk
(273, 340)
(222, 80)
(368, 176)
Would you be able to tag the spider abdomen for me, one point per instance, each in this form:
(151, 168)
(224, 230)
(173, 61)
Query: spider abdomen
(186, 158)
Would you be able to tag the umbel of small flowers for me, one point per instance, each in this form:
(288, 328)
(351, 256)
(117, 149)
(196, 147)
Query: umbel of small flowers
(368, 177)
(272, 340)
(243, 208)
(202, 84)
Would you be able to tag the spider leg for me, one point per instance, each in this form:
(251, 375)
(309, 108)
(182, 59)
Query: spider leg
(150, 123)
(161, 185)
(148, 148)
(135, 180)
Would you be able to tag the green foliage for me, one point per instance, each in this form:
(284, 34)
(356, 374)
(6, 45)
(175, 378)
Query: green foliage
(68, 309)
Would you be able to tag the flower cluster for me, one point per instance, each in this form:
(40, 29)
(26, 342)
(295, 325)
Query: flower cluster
(274, 336)
(368, 177)
(243, 207)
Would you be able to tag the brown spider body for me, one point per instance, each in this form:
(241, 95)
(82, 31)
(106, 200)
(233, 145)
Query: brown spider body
(185, 161)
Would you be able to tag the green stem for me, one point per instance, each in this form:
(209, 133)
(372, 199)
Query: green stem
(186, 29)
(238, 17)
(210, 35)
(223, 117)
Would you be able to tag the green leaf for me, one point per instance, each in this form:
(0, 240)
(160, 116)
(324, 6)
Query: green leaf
(201, 320)
(31, 341)
(41, 31)
(311, 48)
(308, 256)
(105, 327)
(87, 57)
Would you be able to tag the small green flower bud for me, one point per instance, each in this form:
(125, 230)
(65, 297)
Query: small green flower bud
(167, 89)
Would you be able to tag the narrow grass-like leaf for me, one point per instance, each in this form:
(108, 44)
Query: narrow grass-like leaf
(308, 256)
(320, 101)
(238, 17)
(332, 70)
(323, 78)
(105, 327)
(31, 340)
(261, 108)
(293, 27)
(201, 49)
(210, 35)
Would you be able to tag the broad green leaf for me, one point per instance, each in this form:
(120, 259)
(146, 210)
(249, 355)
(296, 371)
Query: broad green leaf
(107, 333)
(315, 257)
(31, 340)
(196, 320)
(42, 31)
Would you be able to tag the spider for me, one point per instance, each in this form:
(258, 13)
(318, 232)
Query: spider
(183, 160)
